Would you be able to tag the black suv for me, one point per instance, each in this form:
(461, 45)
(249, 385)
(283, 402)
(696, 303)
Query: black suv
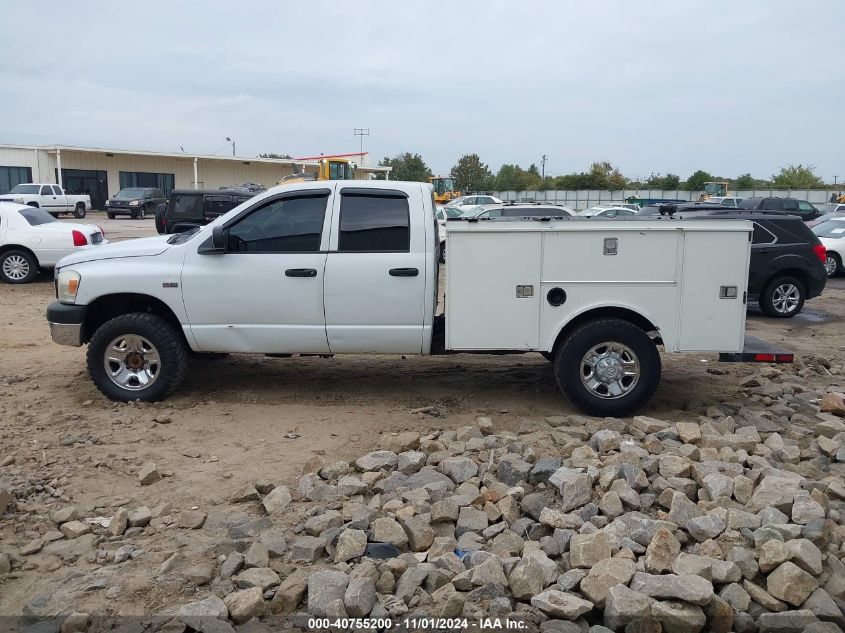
(801, 208)
(787, 259)
(135, 202)
(190, 208)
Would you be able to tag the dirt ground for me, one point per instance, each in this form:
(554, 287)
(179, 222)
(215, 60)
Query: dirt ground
(246, 418)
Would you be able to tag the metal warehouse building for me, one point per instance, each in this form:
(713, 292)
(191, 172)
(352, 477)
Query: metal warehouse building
(101, 173)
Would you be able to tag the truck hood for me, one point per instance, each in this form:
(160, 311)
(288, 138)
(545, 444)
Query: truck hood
(144, 247)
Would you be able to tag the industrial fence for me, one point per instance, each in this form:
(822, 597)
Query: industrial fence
(584, 198)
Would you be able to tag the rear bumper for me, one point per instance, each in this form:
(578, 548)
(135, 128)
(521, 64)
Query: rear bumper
(66, 323)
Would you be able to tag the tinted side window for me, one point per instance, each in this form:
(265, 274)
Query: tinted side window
(374, 223)
(789, 205)
(762, 235)
(289, 225)
(57, 190)
(805, 207)
(217, 205)
(46, 190)
(187, 206)
(772, 204)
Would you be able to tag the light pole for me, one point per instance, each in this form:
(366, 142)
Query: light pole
(233, 145)
(362, 132)
(543, 163)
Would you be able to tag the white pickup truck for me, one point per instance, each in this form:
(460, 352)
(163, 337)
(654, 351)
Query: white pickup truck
(49, 197)
(349, 267)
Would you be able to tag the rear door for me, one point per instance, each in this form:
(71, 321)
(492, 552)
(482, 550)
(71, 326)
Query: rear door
(60, 198)
(375, 272)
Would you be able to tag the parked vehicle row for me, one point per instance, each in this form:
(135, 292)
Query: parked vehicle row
(831, 233)
(49, 197)
(32, 239)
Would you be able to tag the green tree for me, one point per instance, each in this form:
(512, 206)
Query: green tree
(603, 175)
(697, 180)
(285, 156)
(471, 174)
(797, 177)
(407, 166)
(666, 183)
(745, 182)
(515, 178)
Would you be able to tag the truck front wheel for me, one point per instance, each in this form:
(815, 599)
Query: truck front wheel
(608, 367)
(137, 356)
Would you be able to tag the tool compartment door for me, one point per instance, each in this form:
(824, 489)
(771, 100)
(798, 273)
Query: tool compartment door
(715, 264)
(483, 311)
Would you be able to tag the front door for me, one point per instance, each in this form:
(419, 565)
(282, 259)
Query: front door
(265, 293)
(376, 273)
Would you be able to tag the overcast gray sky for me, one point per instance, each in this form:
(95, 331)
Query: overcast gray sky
(652, 86)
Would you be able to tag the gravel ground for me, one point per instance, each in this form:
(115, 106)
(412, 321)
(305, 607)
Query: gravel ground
(73, 462)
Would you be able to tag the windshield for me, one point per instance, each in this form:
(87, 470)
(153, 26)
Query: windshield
(834, 228)
(37, 216)
(715, 188)
(443, 185)
(827, 207)
(130, 194)
(25, 189)
(453, 213)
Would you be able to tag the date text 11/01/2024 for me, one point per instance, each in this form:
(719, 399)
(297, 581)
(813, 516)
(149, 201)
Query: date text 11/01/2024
(416, 624)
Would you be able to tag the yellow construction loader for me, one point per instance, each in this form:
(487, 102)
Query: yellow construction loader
(444, 189)
(328, 168)
(719, 189)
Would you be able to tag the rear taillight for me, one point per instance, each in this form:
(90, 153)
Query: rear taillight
(821, 252)
(79, 239)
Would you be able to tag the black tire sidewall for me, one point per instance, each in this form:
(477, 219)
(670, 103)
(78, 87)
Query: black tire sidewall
(766, 302)
(33, 267)
(110, 216)
(79, 212)
(567, 365)
(161, 334)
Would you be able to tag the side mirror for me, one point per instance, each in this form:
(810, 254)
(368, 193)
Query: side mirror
(219, 237)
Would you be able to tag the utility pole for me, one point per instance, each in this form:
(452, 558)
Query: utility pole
(543, 163)
(362, 132)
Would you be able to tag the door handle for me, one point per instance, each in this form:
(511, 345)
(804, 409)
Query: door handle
(404, 272)
(301, 272)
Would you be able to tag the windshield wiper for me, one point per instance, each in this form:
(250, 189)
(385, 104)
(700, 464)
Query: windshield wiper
(184, 236)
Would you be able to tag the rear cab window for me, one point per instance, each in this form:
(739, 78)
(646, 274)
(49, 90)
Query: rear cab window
(186, 206)
(374, 221)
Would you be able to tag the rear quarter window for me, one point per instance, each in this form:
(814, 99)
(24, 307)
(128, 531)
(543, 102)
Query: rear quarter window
(186, 206)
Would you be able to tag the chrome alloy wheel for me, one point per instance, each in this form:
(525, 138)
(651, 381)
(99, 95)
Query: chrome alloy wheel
(132, 362)
(610, 370)
(15, 267)
(830, 265)
(786, 298)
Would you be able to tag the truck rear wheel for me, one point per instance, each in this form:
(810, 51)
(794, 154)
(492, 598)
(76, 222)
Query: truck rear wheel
(137, 356)
(79, 211)
(608, 367)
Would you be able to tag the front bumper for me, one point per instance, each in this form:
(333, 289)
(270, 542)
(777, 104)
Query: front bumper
(66, 323)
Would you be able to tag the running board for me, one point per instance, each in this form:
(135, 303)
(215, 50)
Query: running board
(757, 350)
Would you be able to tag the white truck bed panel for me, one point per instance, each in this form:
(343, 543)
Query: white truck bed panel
(668, 271)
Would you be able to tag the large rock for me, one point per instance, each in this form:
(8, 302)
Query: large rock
(692, 589)
(661, 553)
(458, 469)
(119, 522)
(512, 469)
(786, 622)
(210, 607)
(262, 577)
(624, 606)
(377, 460)
(682, 510)
(526, 580)
(558, 604)
(277, 501)
(833, 403)
(148, 474)
(350, 544)
(387, 530)
(360, 596)
(791, 584)
(585, 550)
(245, 604)
(307, 549)
(678, 617)
(74, 529)
(419, 531)
(324, 587)
(775, 491)
(605, 574)
(574, 486)
(471, 519)
(706, 527)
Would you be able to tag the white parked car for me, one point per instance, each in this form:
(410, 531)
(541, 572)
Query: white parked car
(483, 201)
(442, 214)
(49, 197)
(606, 212)
(831, 234)
(32, 239)
(728, 201)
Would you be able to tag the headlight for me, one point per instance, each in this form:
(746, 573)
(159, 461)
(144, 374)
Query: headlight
(67, 285)
(107, 203)
(19, 200)
(134, 203)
